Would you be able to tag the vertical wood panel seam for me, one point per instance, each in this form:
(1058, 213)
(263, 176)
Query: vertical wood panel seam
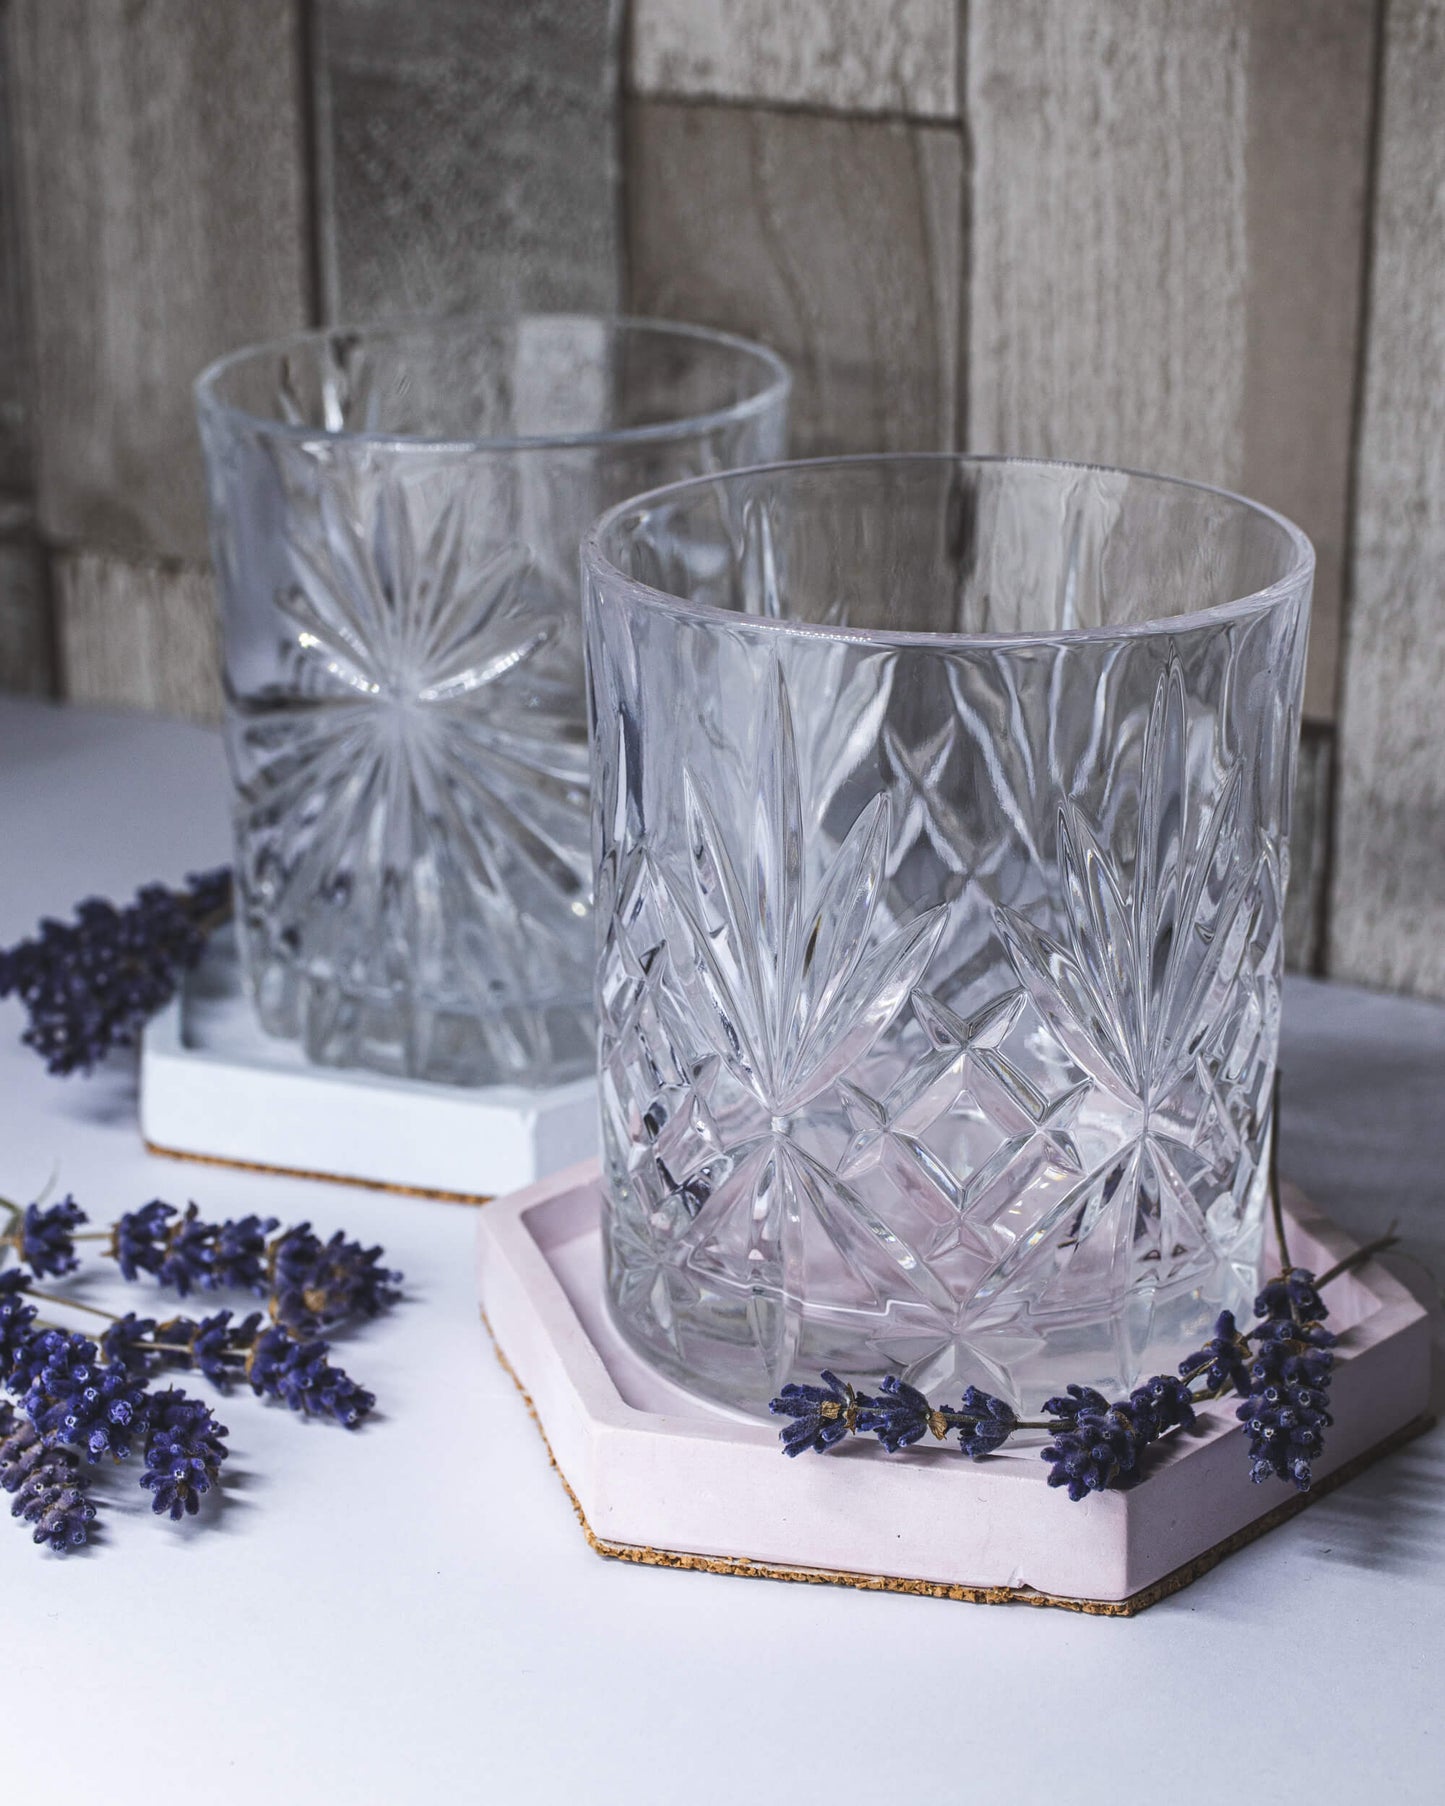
(807, 109)
(619, 31)
(1364, 319)
(622, 147)
(24, 355)
(315, 146)
(962, 420)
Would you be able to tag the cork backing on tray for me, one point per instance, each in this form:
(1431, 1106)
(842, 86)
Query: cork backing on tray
(969, 1595)
(298, 1172)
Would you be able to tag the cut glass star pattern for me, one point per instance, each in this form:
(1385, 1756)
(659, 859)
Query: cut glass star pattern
(412, 813)
(817, 1161)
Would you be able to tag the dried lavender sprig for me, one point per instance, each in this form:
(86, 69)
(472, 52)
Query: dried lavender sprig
(89, 985)
(43, 1236)
(75, 1397)
(184, 1253)
(82, 1401)
(316, 1285)
(822, 1416)
(185, 1447)
(49, 1483)
(273, 1362)
(1097, 1445)
(309, 1284)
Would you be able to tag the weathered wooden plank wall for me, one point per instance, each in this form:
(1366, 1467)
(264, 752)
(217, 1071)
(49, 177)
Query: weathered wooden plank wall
(1168, 236)
(1201, 235)
(835, 240)
(1387, 904)
(466, 154)
(25, 649)
(162, 204)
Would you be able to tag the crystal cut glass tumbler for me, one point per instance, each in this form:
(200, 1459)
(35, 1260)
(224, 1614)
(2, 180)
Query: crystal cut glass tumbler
(395, 520)
(941, 808)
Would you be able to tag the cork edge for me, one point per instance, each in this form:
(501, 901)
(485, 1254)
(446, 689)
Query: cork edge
(301, 1172)
(1171, 1583)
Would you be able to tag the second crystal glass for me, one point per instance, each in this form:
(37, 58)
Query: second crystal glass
(395, 520)
(942, 811)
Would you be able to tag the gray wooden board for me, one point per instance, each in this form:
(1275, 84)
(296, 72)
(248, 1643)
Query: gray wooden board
(1387, 902)
(24, 624)
(14, 421)
(140, 634)
(837, 241)
(1309, 850)
(853, 56)
(467, 154)
(161, 177)
(25, 660)
(1166, 246)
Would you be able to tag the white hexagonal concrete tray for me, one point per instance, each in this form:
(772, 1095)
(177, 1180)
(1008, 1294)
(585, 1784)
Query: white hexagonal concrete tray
(659, 1476)
(213, 1086)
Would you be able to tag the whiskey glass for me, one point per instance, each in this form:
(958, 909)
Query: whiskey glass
(395, 516)
(941, 810)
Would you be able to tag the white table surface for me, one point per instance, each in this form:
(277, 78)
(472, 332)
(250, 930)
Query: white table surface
(410, 1613)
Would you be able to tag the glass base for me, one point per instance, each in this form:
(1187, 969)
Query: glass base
(713, 1346)
(533, 1045)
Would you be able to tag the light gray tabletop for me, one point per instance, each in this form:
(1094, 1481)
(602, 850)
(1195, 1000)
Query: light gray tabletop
(411, 1614)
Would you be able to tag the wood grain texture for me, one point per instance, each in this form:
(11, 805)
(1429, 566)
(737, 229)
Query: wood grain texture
(25, 656)
(160, 156)
(1304, 909)
(14, 400)
(836, 241)
(139, 634)
(1167, 240)
(1387, 904)
(854, 56)
(1310, 97)
(25, 661)
(467, 154)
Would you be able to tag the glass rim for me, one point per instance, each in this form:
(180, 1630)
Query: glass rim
(774, 390)
(1299, 570)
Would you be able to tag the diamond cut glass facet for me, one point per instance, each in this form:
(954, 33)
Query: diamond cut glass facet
(942, 813)
(395, 517)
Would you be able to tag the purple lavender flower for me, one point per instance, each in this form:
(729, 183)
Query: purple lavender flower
(72, 1397)
(138, 1239)
(126, 1343)
(1287, 1411)
(89, 985)
(16, 1316)
(215, 1347)
(822, 1415)
(49, 1483)
(238, 1257)
(1093, 1448)
(316, 1284)
(44, 1237)
(989, 1423)
(898, 1417)
(300, 1376)
(1164, 1403)
(1098, 1445)
(187, 1254)
(1223, 1362)
(185, 1447)
(1293, 1294)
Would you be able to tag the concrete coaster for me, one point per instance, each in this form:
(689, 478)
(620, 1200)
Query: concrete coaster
(660, 1477)
(214, 1087)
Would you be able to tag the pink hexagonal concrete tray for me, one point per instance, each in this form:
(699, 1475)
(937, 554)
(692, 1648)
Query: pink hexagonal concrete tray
(661, 1477)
